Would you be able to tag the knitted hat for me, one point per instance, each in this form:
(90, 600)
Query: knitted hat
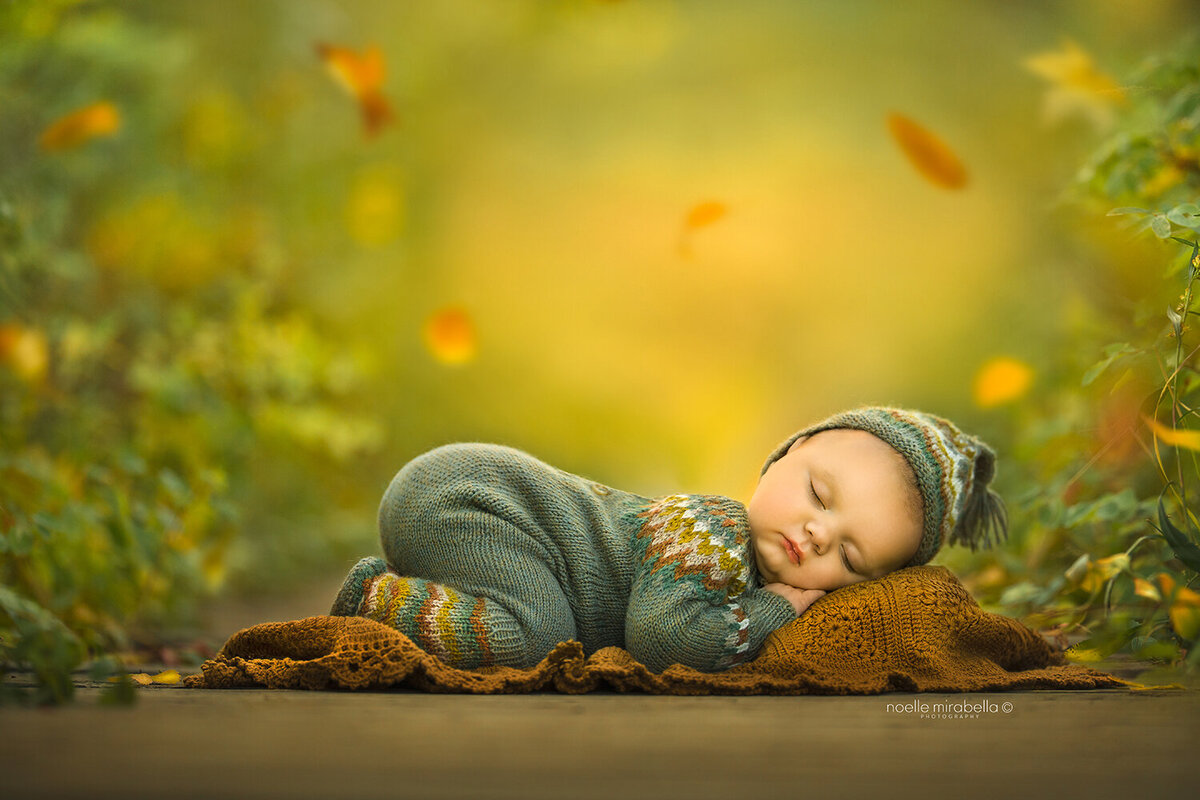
(952, 469)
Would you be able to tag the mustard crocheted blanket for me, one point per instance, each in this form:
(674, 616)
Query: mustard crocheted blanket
(915, 630)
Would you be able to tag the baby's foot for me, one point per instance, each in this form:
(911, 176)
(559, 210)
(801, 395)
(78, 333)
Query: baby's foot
(350, 598)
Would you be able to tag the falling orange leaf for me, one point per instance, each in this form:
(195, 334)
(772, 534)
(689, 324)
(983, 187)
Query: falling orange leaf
(932, 157)
(450, 336)
(705, 213)
(360, 74)
(1076, 85)
(1176, 437)
(80, 126)
(1001, 380)
(699, 216)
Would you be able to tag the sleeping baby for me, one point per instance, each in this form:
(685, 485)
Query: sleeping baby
(492, 557)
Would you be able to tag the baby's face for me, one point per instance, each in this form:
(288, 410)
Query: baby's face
(833, 511)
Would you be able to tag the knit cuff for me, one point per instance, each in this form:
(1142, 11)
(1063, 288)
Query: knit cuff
(766, 611)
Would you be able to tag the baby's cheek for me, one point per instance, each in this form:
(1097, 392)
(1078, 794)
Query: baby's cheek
(836, 577)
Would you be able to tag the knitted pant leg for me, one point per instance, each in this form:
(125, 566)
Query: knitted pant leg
(462, 630)
(451, 522)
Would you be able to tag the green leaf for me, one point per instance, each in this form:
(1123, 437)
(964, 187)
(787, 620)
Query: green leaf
(1161, 226)
(1024, 592)
(1122, 505)
(1116, 212)
(1185, 215)
(1185, 550)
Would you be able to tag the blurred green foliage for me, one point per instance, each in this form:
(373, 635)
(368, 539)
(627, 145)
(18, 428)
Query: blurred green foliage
(150, 353)
(1108, 484)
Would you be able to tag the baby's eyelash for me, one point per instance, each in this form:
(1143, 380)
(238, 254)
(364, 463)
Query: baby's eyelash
(813, 490)
(846, 561)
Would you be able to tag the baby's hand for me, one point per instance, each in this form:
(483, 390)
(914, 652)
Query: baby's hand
(800, 599)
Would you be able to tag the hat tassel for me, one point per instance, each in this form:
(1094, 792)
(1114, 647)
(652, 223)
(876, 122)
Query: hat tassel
(984, 522)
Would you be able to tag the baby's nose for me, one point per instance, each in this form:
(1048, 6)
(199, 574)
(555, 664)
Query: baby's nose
(817, 535)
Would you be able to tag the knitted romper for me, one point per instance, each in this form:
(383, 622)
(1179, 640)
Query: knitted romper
(494, 557)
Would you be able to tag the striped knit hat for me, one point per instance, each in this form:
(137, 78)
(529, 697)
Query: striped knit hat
(952, 469)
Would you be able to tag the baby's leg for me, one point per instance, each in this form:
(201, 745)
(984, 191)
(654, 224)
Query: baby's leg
(467, 577)
(459, 629)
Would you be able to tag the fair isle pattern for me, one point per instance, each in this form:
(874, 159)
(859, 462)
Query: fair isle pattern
(953, 471)
(957, 457)
(737, 643)
(441, 620)
(697, 535)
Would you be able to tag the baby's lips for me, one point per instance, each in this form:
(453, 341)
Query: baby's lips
(794, 553)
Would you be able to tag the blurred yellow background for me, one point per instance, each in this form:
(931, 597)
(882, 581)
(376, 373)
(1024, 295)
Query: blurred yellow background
(543, 161)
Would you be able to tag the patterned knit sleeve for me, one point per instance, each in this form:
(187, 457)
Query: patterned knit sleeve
(693, 601)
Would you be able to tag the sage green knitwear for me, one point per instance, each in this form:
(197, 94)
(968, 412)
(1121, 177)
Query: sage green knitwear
(493, 557)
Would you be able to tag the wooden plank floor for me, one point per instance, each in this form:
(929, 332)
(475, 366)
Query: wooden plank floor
(179, 743)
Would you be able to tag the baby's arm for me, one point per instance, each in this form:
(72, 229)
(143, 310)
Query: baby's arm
(690, 602)
(800, 599)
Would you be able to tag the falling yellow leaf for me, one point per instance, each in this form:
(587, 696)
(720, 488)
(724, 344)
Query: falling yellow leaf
(1076, 85)
(450, 336)
(698, 216)
(360, 74)
(1176, 437)
(24, 350)
(705, 213)
(932, 157)
(1001, 380)
(80, 126)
